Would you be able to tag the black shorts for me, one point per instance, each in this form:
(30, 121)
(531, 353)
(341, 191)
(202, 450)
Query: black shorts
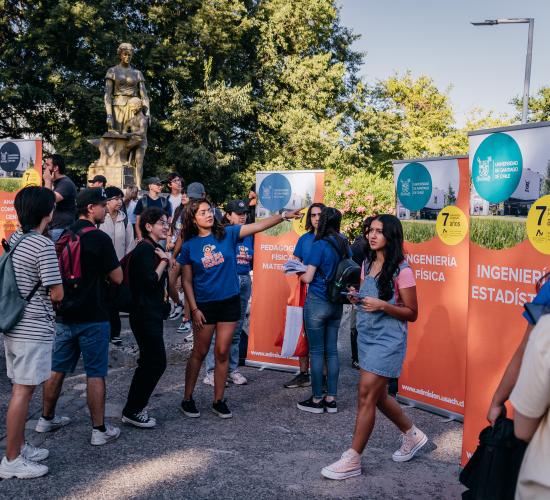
(221, 311)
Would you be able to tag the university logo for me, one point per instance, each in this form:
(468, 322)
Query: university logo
(497, 166)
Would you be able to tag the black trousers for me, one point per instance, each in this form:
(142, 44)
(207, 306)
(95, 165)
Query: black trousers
(114, 320)
(151, 363)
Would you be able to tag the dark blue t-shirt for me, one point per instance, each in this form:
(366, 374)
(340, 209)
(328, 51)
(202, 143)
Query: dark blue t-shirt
(326, 259)
(245, 252)
(214, 265)
(303, 246)
(543, 297)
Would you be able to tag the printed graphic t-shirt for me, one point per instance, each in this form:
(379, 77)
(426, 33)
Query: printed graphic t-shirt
(325, 258)
(214, 265)
(35, 260)
(245, 253)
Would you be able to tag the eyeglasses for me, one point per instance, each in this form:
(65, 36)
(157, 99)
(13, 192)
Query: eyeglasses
(163, 223)
(204, 213)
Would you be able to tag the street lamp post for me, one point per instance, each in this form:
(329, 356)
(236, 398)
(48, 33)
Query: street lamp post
(531, 22)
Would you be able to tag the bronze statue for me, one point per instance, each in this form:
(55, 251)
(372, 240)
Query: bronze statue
(137, 135)
(122, 82)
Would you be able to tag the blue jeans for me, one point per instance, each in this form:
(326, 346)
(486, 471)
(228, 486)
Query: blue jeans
(245, 290)
(322, 321)
(90, 339)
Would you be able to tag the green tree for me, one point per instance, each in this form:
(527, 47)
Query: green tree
(539, 106)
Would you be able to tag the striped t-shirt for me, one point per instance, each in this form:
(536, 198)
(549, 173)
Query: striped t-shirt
(35, 260)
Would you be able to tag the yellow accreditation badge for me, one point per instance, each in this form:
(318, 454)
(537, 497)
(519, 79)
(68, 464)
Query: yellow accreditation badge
(451, 225)
(31, 178)
(299, 225)
(538, 224)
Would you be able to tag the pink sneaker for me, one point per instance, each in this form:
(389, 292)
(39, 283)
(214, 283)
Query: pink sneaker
(349, 465)
(413, 440)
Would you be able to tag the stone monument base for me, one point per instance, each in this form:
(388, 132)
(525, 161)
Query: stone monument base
(114, 162)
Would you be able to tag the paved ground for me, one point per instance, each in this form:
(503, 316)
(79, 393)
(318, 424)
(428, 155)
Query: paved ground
(269, 449)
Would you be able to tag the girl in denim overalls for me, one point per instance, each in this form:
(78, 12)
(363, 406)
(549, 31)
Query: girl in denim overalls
(385, 304)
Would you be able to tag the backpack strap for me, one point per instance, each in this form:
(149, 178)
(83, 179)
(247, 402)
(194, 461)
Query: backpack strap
(38, 283)
(333, 245)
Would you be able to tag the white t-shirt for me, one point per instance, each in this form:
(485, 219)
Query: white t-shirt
(35, 260)
(175, 201)
(531, 397)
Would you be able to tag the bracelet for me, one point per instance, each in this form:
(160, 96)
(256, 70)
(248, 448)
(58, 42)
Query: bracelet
(165, 259)
(283, 215)
(196, 309)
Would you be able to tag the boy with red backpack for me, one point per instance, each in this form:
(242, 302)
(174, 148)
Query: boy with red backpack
(86, 258)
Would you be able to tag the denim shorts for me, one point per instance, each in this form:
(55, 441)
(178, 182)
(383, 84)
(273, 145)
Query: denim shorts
(90, 339)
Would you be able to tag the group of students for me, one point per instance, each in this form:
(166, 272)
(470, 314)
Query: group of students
(212, 255)
(77, 310)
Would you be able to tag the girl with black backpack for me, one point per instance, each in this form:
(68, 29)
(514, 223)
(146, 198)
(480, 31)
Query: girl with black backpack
(385, 303)
(321, 315)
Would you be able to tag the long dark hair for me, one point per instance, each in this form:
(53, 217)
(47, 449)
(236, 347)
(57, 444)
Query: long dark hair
(189, 227)
(329, 225)
(393, 254)
(309, 225)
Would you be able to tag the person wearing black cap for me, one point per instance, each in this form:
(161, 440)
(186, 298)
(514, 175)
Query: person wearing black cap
(235, 213)
(83, 323)
(152, 199)
(99, 181)
(117, 227)
(65, 195)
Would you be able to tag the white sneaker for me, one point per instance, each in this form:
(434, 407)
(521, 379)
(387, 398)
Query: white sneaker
(237, 378)
(209, 379)
(33, 453)
(56, 422)
(21, 468)
(185, 328)
(176, 313)
(99, 438)
(413, 440)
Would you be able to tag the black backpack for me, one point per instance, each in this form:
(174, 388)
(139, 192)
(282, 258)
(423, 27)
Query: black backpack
(163, 203)
(492, 472)
(347, 274)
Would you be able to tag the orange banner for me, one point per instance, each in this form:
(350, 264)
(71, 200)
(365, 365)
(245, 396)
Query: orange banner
(20, 166)
(272, 248)
(436, 244)
(509, 249)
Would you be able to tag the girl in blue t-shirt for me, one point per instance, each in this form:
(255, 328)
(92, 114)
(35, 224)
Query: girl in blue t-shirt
(301, 252)
(321, 316)
(236, 212)
(211, 286)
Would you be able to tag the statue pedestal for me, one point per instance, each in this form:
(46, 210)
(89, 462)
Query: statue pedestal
(113, 160)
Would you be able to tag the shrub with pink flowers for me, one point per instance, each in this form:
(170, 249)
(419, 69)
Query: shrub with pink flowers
(357, 196)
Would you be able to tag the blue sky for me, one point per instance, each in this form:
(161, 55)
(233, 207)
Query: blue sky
(485, 65)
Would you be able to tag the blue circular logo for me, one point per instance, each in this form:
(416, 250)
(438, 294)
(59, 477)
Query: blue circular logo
(414, 186)
(9, 157)
(497, 167)
(275, 192)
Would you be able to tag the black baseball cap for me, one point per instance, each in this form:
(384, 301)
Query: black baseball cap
(237, 207)
(91, 196)
(98, 178)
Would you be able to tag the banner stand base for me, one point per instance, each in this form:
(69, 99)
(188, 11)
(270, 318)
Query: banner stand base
(272, 366)
(432, 409)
